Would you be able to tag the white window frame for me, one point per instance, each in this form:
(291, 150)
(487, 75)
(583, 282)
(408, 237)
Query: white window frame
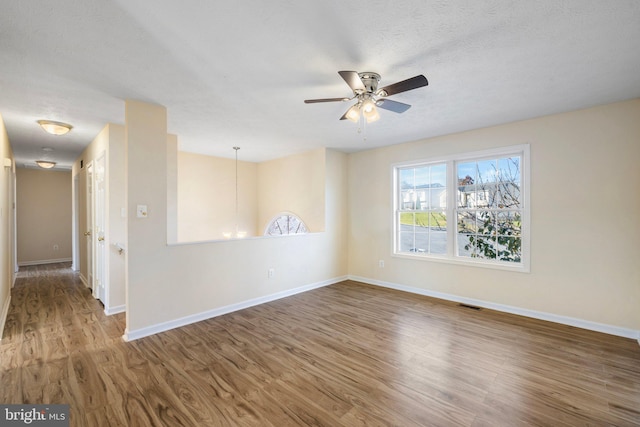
(451, 162)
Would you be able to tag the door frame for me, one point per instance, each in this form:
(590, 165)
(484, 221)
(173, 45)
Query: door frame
(89, 226)
(100, 226)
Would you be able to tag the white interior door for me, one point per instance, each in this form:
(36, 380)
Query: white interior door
(99, 195)
(90, 225)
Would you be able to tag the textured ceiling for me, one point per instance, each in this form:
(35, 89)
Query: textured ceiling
(236, 73)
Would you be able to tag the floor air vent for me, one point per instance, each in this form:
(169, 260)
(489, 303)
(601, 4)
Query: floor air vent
(472, 307)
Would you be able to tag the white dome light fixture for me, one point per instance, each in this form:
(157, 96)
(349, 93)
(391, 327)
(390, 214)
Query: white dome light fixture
(45, 164)
(55, 128)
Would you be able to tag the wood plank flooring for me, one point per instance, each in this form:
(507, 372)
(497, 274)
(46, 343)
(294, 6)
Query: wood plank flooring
(344, 355)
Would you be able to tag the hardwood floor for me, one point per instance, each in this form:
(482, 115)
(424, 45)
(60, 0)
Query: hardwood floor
(344, 355)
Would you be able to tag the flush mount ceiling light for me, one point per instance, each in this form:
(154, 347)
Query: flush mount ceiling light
(45, 164)
(368, 96)
(55, 128)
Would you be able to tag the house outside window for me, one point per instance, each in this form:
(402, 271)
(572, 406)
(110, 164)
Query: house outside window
(469, 208)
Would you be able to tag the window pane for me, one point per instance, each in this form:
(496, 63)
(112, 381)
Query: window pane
(421, 220)
(407, 200)
(466, 177)
(486, 222)
(485, 247)
(509, 196)
(422, 201)
(509, 249)
(466, 196)
(509, 169)
(486, 195)
(466, 173)
(407, 218)
(421, 242)
(438, 221)
(466, 245)
(405, 240)
(406, 179)
(467, 222)
(438, 198)
(438, 176)
(486, 172)
(438, 241)
(509, 172)
(422, 177)
(509, 223)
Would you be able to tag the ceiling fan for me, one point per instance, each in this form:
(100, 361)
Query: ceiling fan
(368, 96)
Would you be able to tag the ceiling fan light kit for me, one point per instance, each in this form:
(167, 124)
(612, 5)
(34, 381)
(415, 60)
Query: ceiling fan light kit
(369, 111)
(353, 113)
(369, 98)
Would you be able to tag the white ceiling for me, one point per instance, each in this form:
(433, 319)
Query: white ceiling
(236, 73)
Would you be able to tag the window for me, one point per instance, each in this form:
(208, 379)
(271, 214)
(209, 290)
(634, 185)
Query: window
(422, 218)
(470, 208)
(285, 223)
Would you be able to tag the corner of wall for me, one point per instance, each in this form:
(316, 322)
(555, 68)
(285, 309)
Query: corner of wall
(7, 223)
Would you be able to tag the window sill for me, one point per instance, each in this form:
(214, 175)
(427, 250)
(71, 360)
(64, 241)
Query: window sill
(467, 262)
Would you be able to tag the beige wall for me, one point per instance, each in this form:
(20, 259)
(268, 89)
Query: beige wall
(206, 194)
(294, 184)
(584, 217)
(109, 142)
(206, 197)
(44, 211)
(168, 285)
(7, 230)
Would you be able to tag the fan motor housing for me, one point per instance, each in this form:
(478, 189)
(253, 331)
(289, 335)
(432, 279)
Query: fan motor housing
(370, 81)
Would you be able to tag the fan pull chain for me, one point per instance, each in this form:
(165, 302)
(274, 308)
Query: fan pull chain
(364, 129)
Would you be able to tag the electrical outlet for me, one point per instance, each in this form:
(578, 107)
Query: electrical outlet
(141, 211)
(270, 273)
(381, 263)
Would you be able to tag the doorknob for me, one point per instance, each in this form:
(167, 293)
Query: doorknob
(87, 233)
(101, 239)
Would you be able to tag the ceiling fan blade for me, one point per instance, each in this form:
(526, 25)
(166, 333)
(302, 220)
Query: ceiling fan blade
(403, 86)
(395, 106)
(353, 80)
(314, 101)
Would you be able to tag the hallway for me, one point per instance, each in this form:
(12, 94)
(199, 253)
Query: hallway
(52, 327)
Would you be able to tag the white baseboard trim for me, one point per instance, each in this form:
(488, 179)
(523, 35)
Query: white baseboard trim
(183, 321)
(3, 315)
(565, 320)
(43, 261)
(115, 310)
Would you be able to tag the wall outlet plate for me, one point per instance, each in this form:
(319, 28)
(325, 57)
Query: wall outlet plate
(141, 211)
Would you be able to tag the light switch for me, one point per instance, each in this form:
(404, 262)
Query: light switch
(141, 211)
